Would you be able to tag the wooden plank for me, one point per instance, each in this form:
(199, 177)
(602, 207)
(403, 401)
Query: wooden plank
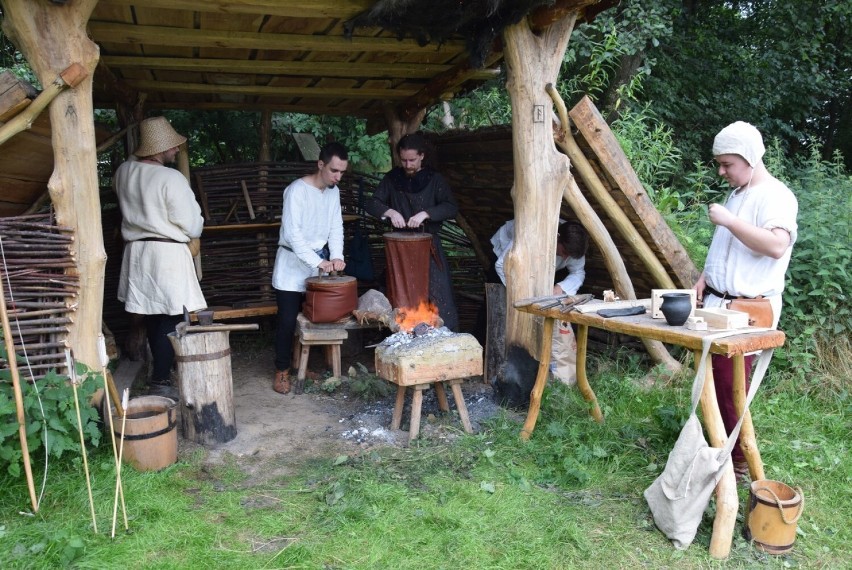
(388, 93)
(614, 163)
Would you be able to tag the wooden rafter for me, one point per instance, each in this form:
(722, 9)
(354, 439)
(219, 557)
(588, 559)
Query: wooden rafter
(291, 8)
(103, 32)
(277, 91)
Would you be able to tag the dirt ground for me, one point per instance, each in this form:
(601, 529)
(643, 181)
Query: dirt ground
(277, 432)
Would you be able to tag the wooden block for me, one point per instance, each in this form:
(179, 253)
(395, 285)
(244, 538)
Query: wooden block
(724, 319)
(430, 359)
(696, 324)
(657, 300)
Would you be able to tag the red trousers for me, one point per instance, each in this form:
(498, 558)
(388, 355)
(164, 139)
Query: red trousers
(723, 378)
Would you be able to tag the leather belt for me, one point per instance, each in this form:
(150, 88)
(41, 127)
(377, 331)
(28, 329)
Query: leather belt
(709, 289)
(164, 240)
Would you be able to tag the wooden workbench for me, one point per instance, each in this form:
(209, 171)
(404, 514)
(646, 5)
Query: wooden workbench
(736, 347)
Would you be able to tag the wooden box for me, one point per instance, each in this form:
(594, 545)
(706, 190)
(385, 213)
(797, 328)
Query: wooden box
(724, 319)
(430, 359)
(657, 300)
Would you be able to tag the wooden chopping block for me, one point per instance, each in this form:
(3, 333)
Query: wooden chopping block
(430, 359)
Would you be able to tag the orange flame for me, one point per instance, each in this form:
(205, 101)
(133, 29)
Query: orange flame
(409, 317)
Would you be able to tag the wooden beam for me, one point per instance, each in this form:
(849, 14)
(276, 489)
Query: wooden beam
(250, 106)
(544, 16)
(276, 67)
(313, 92)
(447, 82)
(586, 117)
(71, 77)
(343, 9)
(107, 32)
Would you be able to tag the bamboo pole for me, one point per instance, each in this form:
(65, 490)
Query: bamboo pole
(72, 376)
(19, 398)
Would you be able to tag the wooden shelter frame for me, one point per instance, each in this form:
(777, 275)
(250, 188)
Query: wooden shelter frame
(290, 55)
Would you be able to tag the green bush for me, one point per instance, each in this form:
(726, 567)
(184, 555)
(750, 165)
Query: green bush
(817, 313)
(50, 415)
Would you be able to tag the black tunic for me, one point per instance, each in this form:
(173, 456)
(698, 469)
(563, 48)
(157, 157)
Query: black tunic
(426, 191)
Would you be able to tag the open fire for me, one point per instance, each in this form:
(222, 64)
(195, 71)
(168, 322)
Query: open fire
(417, 320)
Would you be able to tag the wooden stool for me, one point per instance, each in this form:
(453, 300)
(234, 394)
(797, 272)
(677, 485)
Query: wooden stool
(417, 402)
(308, 334)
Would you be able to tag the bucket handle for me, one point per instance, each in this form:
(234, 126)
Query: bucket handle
(780, 508)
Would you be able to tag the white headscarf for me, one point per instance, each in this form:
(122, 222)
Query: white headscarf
(740, 138)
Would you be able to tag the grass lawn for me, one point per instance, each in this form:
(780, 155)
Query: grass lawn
(569, 498)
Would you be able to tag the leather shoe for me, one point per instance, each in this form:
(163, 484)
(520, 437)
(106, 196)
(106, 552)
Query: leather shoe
(282, 382)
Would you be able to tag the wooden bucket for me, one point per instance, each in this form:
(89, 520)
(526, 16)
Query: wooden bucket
(407, 255)
(773, 511)
(150, 439)
(206, 386)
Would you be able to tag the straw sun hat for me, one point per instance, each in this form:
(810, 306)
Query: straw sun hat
(157, 135)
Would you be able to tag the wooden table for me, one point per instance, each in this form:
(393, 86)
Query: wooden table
(644, 326)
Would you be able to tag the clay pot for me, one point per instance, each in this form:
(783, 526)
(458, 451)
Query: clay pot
(676, 308)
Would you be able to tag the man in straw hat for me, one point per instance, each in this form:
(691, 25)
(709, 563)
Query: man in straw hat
(159, 218)
(748, 257)
(310, 240)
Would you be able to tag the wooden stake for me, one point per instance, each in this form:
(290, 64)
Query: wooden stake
(248, 199)
(124, 399)
(109, 387)
(19, 399)
(72, 376)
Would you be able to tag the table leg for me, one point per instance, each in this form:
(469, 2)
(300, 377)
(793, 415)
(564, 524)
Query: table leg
(582, 379)
(540, 379)
(748, 441)
(727, 502)
(455, 386)
(443, 405)
(396, 421)
(416, 405)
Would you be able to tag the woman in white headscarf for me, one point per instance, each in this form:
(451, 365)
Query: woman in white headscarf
(748, 257)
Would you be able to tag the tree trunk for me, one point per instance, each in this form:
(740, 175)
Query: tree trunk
(541, 172)
(51, 37)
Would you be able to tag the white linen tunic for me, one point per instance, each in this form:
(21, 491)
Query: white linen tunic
(733, 268)
(310, 218)
(157, 278)
(502, 241)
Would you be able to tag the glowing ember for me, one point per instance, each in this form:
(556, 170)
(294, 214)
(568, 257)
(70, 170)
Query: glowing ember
(409, 317)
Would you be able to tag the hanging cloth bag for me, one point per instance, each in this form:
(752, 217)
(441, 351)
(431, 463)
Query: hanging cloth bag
(359, 261)
(680, 495)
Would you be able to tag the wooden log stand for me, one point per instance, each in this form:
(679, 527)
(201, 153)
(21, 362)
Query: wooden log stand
(206, 386)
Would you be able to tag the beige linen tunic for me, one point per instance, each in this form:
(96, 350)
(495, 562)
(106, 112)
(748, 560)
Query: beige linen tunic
(157, 278)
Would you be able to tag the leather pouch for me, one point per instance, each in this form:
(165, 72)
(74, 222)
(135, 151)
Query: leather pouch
(759, 311)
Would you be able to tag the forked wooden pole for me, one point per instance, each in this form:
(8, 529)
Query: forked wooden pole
(19, 399)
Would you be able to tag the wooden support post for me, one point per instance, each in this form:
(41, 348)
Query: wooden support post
(748, 441)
